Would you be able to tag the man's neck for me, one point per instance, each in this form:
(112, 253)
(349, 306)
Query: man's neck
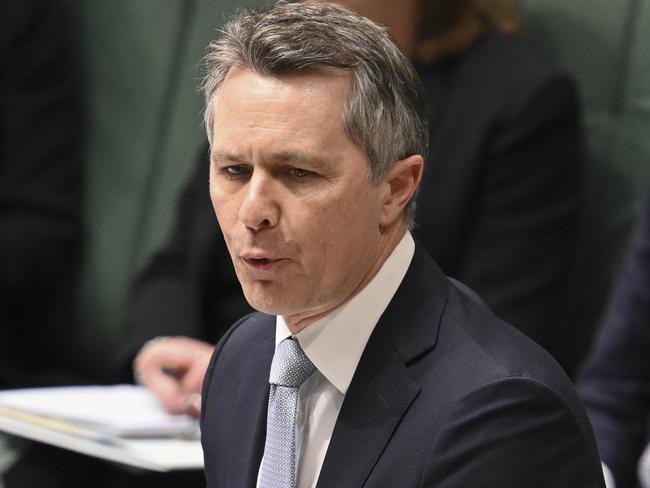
(297, 322)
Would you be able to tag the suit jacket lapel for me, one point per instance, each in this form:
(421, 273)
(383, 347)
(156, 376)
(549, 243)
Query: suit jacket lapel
(371, 411)
(248, 435)
(382, 388)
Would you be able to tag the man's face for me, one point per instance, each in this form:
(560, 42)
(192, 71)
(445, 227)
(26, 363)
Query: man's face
(292, 194)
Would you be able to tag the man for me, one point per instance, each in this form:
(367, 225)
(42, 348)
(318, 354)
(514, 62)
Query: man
(383, 372)
(507, 241)
(505, 147)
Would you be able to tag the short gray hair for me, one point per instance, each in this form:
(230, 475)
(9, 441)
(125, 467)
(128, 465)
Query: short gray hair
(385, 111)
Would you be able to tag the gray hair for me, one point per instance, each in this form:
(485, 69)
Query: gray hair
(384, 113)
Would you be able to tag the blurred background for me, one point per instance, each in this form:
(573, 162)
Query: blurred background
(143, 128)
(138, 130)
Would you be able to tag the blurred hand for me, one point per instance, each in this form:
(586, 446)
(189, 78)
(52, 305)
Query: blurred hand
(173, 369)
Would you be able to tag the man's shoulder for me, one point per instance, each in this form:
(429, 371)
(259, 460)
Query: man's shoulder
(482, 365)
(489, 355)
(485, 393)
(494, 344)
(465, 336)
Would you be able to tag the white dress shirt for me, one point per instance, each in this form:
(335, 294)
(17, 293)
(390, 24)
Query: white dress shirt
(335, 344)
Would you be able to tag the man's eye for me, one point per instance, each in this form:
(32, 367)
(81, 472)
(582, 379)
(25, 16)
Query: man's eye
(233, 171)
(300, 173)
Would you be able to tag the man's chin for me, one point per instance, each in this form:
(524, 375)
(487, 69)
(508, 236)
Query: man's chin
(268, 303)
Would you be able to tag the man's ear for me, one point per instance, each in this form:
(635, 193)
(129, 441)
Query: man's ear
(400, 184)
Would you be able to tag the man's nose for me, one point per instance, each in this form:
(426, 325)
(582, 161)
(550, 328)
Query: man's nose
(259, 210)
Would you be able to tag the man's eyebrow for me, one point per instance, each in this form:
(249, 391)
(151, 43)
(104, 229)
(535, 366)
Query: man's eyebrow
(291, 157)
(298, 157)
(225, 156)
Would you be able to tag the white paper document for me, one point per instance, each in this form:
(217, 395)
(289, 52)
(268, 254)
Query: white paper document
(122, 423)
(120, 410)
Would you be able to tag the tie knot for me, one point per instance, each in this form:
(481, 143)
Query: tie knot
(290, 366)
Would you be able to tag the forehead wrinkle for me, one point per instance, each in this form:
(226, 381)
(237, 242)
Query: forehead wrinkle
(281, 156)
(297, 156)
(290, 144)
(220, 155)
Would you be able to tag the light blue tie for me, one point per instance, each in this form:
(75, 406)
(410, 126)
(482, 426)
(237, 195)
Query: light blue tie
(289, 369)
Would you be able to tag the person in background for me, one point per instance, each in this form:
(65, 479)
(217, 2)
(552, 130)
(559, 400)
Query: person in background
(498, 202)
(614, 381)
(40, 191)
(41, 180)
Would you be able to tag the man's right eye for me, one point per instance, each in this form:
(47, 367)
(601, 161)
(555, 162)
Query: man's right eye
(234, 170)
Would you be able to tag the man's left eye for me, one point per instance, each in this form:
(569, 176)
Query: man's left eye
(299, 172)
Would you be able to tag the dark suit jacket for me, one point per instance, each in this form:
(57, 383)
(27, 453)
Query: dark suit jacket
(496, 210)
(445, 394)
(615, 380)
(40, 191)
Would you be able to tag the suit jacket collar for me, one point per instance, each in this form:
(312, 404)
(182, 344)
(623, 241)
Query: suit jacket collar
(382, 389)
(412, 319)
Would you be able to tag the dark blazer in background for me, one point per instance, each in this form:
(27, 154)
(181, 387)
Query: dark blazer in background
(615, 380)
(445, 394)
(40, 190)
(500, 193)
(497, 207)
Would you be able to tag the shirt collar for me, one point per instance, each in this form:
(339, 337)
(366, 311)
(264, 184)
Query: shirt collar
(336, 342)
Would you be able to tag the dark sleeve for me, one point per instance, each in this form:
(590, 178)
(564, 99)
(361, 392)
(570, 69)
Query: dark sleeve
(40, 153)
(519, 245)
(615, 380)
(513, 432)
